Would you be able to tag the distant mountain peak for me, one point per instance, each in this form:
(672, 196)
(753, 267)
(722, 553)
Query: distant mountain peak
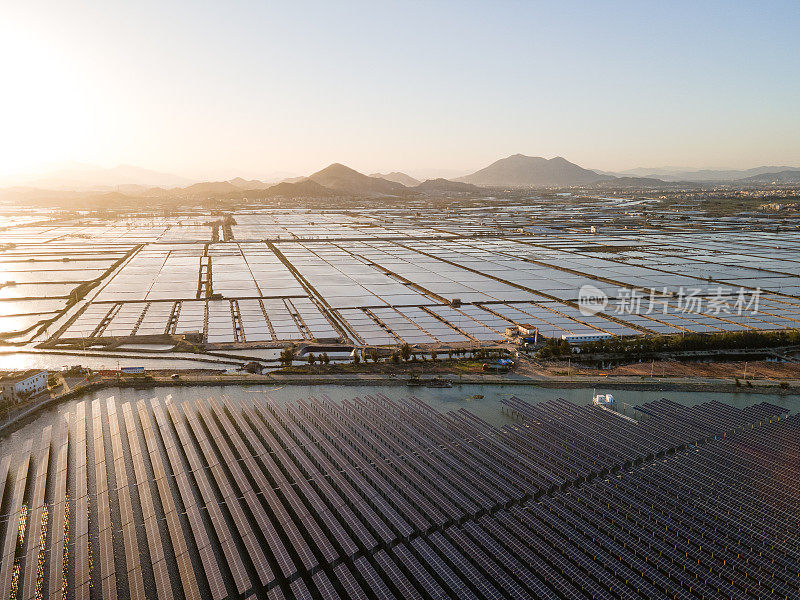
(397, 177)
(338, 167)
(519, 170)
(349, 181)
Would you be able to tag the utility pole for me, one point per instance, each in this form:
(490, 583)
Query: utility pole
(745, 370)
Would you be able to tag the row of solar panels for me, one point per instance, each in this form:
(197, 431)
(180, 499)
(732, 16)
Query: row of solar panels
(712, 522)
(235, 499)
(563, 437)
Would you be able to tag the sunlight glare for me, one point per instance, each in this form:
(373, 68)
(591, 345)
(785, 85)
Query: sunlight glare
(44, 112)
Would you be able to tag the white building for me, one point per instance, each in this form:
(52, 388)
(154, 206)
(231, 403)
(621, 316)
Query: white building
(526, 329)
(581, 338)
(15, 386)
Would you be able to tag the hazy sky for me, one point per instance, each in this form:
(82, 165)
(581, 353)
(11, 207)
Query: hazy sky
(218, 89)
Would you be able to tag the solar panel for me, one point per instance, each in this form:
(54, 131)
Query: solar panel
(687, 501)
(348, 581)
(233, 559)
(187, 576)
(59, 509)
(324, 586)
(231, 498)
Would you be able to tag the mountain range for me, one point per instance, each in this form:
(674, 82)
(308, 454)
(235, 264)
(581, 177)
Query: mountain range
(788, 176)
(700, 175)
(80, 176)
(338, 180)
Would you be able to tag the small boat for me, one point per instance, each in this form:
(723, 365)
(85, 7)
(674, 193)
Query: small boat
(477, 397)
(602, 399)
(438, 383)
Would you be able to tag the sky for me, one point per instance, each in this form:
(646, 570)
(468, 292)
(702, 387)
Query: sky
(258, 89)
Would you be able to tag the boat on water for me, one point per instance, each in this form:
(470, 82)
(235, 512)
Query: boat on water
(602, 399)
(438, 383)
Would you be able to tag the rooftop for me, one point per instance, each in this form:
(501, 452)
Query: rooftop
(14, 376)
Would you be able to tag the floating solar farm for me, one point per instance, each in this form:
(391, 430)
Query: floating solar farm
(366, 276)
(380, 497)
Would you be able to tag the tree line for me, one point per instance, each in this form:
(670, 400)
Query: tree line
(731, 340)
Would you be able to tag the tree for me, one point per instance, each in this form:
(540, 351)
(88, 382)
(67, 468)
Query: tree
(287, 356)
(311, 358)
(325, 358)
(252, 367)
(434, 355)
(356, 357)
(405, 352)
(395, 357)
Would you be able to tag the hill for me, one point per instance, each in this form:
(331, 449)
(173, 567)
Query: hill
(445, 186)
(249, 184)
(211, 188)
(782, 177)
(300, 189)
(350, 182)
(532, 171)
(397, 177)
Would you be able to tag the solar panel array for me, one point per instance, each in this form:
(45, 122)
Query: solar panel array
(412, 253)
(381, 498)
(500, 283)
(218, 321)
(488, 255)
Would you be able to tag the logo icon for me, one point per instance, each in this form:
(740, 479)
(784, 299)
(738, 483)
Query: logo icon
(591, 300)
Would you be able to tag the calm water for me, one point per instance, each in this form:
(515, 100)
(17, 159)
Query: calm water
(54, 361)
(459, 396)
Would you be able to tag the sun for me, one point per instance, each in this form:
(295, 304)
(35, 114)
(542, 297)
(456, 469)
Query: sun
(45, 114)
